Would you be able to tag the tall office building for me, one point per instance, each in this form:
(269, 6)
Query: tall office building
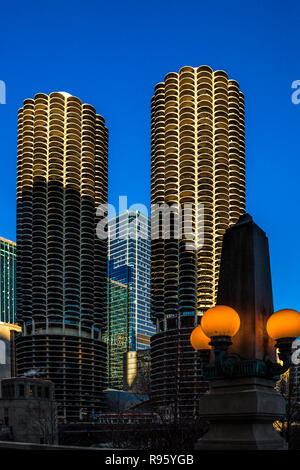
(117, 335)
(128, 271)
(198, 159)
(8, 281)
(61, 264)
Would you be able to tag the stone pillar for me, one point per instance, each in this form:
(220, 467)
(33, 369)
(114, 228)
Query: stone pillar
(241, 413)
(241, 410)
(245, 285)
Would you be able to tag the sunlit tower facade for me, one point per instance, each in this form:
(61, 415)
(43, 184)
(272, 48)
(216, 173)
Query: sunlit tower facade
(61, 264)
(197, 158)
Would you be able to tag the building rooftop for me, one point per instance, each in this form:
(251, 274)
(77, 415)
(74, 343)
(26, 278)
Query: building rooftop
(8, 241)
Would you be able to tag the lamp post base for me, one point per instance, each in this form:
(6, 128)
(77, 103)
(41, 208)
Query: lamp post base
(241, 413)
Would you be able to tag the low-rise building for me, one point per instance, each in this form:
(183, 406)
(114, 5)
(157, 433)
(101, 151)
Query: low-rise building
(28, 409)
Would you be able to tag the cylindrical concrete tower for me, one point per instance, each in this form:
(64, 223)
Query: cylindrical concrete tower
(61, 264)
(198, 159)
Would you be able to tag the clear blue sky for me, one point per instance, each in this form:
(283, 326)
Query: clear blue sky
(111, 54)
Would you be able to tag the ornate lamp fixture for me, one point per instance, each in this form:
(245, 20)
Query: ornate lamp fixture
(222, 323)
(201, 343)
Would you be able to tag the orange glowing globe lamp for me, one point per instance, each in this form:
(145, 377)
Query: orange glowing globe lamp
(220, 321)
(284, 324)
(199, 340)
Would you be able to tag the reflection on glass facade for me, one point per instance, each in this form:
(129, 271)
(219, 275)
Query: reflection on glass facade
(8, 333)
(129, 265)
(117, 334)
(8, 281)
(136, 370)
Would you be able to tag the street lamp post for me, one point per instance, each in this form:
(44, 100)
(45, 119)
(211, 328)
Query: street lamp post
(242, 404)
(237, 340)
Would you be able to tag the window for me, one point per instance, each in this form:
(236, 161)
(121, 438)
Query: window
(8, 390)
(6, 420)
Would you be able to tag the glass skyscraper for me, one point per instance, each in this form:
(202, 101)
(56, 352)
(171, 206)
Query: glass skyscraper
(129, 266)
(8, 281)
(117, 334)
